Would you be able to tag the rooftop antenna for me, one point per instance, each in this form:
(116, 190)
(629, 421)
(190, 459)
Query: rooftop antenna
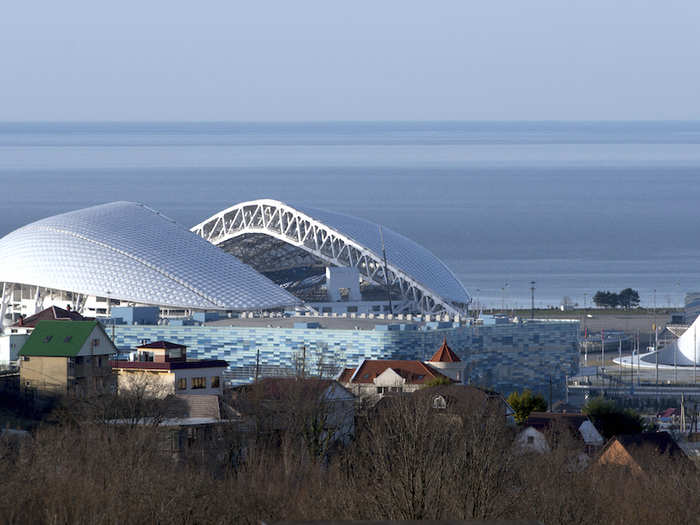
(386, 270)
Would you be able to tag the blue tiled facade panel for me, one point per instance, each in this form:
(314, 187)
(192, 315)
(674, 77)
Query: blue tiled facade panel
(504, 357)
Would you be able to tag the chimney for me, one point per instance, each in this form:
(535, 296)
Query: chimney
(21, 321)
(68, 307)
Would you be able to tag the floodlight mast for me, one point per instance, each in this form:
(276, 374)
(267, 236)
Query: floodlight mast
(386, 271)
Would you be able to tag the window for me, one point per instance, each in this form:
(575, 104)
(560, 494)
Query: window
(530, 440)
(182, 383)
(48, 338)
(199, 382)
(352, 309)
(215, 381)
(326, 310)
(95, 342)
(439, 402)
(67, 338)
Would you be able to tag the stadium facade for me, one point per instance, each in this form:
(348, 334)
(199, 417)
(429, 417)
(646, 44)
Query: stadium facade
(505, 356)
(262, 283)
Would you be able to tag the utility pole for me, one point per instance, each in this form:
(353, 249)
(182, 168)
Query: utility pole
(656, 353)
(695, 354)
(532, 299)
(639, 361)
(257, 365)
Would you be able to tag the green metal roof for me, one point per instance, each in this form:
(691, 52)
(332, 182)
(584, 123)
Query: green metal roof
(58, 338)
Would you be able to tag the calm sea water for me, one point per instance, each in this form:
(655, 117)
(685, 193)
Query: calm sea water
(576, 207)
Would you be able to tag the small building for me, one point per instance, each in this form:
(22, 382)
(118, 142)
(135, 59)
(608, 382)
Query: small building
(448, 363)
(321, 406)
(10, 345)
(643, 454)
(52, 313)
(61, 357)
(163, 367)
(544, 430)
(375, 378)
(457, 399)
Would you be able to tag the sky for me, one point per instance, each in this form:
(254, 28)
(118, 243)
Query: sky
(320, 60)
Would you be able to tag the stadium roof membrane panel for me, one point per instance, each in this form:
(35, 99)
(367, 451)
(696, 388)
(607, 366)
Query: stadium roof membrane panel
(426, 284)
(128, 251)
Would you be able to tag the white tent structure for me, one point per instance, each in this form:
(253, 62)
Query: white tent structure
(682, 352)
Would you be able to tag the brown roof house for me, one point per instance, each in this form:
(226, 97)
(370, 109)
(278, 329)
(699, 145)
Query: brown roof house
(52, 313)
(459, 400)
(644, 454)
(377, 377)
(544, 430)
(322, 410)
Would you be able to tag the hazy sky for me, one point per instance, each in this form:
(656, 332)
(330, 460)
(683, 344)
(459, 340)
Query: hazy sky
(351, 60)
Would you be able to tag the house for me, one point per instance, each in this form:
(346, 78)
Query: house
(377, 377)
(14, 337)
(457, 399)
(643, 454)
(272, 405)
(52, 313)
(543, 430)
(164, 369)
(188, 425)
(61, 357)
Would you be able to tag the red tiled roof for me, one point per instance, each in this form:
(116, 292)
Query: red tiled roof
(346, 375)
(445, 354)
(414, 372)
(165, 345)
(52, 313)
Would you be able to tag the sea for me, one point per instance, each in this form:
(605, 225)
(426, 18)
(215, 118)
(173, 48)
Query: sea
(575, 207)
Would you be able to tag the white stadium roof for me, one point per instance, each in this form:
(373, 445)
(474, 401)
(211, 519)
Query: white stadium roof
(127, 251)
(424, 281)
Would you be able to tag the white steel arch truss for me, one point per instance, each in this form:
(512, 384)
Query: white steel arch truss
(297, 229)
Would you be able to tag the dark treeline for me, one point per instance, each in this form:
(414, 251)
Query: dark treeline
(407, 461)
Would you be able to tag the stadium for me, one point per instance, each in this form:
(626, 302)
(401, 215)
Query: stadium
(264, 284)
(272, 256)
